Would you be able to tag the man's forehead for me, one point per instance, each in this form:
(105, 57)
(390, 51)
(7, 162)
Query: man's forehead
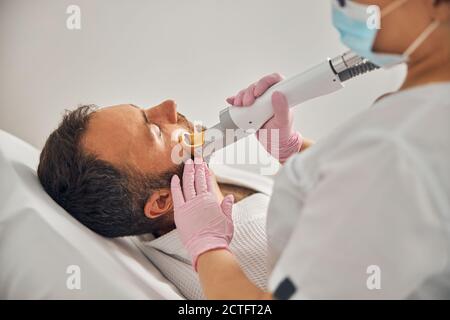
(115, 113)
(110, 131)
(122, 107)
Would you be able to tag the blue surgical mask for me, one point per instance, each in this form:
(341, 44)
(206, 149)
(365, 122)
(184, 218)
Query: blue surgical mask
(352, 23)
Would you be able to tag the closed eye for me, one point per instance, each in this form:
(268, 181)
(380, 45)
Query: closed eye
(144, 115)
(158, 130)
(147, 122)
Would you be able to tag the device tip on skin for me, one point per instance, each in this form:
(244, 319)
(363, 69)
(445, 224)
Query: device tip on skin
(192, 140)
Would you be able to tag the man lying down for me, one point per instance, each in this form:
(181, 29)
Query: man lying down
(110, 168)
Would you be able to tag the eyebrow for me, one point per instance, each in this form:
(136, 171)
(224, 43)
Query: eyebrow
(144, 115)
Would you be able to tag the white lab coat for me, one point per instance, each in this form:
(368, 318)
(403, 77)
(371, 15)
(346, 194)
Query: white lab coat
(365, 214)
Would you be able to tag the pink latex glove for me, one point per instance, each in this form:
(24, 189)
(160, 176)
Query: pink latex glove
(289, 142)
(202, 222)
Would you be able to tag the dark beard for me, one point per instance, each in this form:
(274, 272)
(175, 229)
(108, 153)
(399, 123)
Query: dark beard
(142, 186)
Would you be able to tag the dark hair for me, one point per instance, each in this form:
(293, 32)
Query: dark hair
(106, 199)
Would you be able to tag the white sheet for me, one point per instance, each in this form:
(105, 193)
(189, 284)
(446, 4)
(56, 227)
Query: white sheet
(39, 240)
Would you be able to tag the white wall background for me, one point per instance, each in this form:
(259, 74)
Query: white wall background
(197, 52)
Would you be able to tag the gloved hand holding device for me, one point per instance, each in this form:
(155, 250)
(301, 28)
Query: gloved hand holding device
(289, 141)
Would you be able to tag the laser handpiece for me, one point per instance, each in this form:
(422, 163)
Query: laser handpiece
(239, 122)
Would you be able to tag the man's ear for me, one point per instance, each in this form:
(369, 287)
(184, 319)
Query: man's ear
(159, 203)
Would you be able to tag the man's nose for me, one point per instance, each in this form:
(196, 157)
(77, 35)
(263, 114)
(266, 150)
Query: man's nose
(164, 112)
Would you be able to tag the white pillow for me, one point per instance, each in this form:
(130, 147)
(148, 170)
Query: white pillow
(39, 242)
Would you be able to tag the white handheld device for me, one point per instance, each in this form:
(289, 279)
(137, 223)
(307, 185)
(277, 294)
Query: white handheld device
(327, 77)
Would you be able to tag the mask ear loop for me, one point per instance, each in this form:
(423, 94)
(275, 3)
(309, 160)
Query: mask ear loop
(421, 39)
(391, 7)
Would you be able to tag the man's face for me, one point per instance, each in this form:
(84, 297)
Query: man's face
(142, 139)
(129, 137)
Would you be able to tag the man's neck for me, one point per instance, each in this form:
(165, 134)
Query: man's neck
(238, 192)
